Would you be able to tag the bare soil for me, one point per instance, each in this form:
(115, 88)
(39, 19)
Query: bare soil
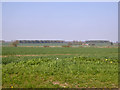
(37, 55)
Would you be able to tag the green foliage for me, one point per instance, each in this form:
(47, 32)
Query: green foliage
(84, 68)
(92, 52)
(77, 70)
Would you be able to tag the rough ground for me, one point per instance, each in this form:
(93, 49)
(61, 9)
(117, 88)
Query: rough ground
(37, 55)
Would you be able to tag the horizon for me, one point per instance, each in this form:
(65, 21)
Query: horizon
(60, 40)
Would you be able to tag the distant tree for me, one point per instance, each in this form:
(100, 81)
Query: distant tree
(3, 41)
(15, 43)
(69, 43)
(111, 43)
(80, 42)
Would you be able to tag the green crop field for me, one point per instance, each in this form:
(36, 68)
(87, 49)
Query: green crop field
(59, 67)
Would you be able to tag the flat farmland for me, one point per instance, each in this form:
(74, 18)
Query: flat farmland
(59, 67)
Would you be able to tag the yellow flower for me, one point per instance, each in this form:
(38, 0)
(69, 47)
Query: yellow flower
(11, 86)
(111, 62)
(106, 59)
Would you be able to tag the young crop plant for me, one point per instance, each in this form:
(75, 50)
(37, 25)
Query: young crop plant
(97, 69)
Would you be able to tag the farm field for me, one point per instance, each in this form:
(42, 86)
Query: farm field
(59, 67)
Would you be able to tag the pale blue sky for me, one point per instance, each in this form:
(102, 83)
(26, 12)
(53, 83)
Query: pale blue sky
(66, 21)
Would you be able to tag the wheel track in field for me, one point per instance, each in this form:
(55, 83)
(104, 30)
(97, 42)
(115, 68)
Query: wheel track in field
(37, 55)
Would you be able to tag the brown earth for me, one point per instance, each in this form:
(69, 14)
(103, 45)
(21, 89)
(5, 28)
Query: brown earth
(37, 55)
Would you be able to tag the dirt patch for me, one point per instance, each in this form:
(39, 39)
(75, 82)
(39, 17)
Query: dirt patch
(3, 56)
(58, 83)
(39, 46)
(38, 55)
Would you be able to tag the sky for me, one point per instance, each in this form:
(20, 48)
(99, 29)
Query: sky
(60, 21)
